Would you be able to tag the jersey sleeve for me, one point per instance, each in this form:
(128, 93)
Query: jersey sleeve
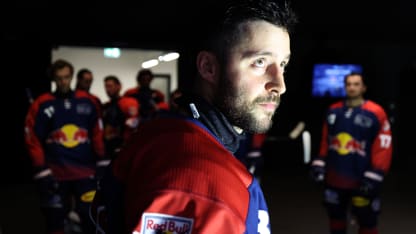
(381, 149)
(323, 147)
(181, 212)
(130, 92)
(35, 131)
(97, 138)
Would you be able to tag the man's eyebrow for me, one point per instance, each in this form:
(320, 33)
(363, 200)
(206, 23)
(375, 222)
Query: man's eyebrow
(249, 54)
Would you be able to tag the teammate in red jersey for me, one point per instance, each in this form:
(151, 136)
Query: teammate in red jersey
(84, 82)
(178, 174)
(151, 100)
(355, 156)
(64, 138)
(120, 116)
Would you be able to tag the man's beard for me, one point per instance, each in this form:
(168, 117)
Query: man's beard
(63, 90)
(241, 112)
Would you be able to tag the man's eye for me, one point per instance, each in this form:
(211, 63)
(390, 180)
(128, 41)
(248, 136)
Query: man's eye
(260, 62)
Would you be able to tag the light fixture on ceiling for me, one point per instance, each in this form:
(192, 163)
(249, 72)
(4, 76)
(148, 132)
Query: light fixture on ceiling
(163, 58)
(169, 57)
(150, 63)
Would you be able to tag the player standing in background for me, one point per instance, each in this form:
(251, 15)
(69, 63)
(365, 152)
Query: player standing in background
(120, 116)
(64, 138)
(354, 158)
(84, 82)
(150, 100)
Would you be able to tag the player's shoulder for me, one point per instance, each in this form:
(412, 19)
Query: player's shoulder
(96, 98)
(336, 104)
(131, 91)
(84, 94)
(374, 107)
(127, 100)
(372, 104)
(81, 94)
(44, 97)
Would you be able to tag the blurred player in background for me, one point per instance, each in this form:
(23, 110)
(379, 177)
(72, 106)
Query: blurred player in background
(354, 158)
(64, 138)
(120, 116)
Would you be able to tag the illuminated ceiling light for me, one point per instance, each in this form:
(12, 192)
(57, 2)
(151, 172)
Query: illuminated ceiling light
(150, 63)
(169, 57)
(112, 52)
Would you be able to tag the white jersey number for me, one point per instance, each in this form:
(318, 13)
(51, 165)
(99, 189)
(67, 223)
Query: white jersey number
(263, 226)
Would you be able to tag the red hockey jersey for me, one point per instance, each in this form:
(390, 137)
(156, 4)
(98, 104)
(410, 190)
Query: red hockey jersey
(176, 177)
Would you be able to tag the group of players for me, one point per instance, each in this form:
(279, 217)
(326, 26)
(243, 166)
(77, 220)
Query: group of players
(71, 136)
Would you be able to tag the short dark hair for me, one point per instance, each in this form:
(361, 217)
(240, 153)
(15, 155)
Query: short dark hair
(354, 74)
(112, 78)
(142, 73)
(58, 65)
(222, 35)
(81, 72)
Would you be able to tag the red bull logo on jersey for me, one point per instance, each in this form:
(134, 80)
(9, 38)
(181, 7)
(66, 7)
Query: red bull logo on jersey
(155, 223)
(69, 135)
(345, 144)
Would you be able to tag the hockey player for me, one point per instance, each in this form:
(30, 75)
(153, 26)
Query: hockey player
(150, 100)
(120, 116)
(178, 174)
(64, 138)
(84, 82)
(354, 158)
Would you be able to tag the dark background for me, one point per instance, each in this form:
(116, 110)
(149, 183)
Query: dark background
(376, 34)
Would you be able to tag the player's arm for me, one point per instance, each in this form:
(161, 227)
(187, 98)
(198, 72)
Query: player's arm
(36, 133)
(381, 149)
(174, 211)
(381, 156)
(97, 131)
(318, 164)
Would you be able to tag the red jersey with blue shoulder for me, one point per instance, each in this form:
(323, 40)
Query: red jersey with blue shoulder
(178, 178)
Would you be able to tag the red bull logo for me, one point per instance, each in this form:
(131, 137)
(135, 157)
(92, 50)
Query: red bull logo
(345, 144)
(69, 135)
(166, 224)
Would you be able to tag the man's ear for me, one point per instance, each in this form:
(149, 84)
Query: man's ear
(208, 66)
